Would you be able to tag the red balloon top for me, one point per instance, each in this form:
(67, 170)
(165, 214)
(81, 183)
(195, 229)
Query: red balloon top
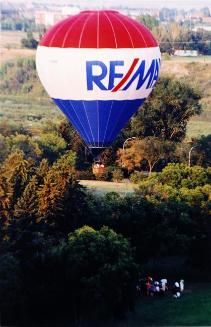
(99, 29)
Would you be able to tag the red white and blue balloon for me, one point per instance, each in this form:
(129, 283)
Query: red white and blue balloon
(98, 67)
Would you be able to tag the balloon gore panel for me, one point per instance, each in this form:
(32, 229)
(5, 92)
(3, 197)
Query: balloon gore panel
(98, 122)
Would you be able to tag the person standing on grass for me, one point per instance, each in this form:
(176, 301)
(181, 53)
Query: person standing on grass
(176, 291)
(163, 285)
(182, 285)
(148, 285)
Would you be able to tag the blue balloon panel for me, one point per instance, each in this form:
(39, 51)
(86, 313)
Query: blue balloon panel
(98, 122)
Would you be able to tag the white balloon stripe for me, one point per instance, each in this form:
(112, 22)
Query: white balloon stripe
(64, 72)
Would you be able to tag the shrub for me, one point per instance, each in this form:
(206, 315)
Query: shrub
(30, 42)
(137, 177)
(52, 145)
(106, 176)
(117, 175)
(85, 174)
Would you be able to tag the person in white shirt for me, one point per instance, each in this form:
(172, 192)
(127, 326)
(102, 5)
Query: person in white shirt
(181, 284)
(163, 285)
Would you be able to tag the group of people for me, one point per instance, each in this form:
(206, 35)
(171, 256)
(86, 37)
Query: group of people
(148, 287)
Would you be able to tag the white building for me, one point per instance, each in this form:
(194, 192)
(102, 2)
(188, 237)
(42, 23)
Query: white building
(202, 27)
(49, 18)
(186, 53)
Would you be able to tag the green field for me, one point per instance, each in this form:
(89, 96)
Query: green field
(100, 187)
(190, 59)
(31, 112)
(198, 127)
(193, 309)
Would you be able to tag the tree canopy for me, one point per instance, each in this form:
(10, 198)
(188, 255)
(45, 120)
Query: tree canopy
(166, 113)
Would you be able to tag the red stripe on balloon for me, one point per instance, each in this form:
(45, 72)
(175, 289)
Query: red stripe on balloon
(101, 29)
(126, 77)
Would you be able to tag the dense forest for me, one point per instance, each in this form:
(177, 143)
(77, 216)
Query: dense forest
(60, 241)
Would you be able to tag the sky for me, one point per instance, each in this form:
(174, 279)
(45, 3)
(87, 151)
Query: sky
(150, 3)
(131, 3)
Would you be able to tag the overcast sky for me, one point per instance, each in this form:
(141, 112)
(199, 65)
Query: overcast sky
(130, 3)
(149, 3)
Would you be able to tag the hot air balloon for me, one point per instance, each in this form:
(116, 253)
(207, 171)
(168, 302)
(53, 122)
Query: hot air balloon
(98, 67)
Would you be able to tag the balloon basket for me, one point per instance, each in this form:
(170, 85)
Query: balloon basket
(98, 168)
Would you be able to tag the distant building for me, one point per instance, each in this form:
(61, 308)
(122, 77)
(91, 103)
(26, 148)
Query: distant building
(9, 10)
(202, 27)
(186, 53)
(135, 12)
(49, 18)
(207, 20)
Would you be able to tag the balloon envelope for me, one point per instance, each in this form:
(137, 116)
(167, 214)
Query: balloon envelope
(98, 67)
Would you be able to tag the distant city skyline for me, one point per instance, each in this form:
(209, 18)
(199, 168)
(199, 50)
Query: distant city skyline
(127, 3)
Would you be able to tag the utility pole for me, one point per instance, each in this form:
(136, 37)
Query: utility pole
(189, 155)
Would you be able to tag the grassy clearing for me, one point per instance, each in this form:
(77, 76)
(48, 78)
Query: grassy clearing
(31, 112)
(7, 54)
(10, 46)
(197, 72)
(11, 39)
(193, 309)
(100, 187)
(188, 59)
(196, 128)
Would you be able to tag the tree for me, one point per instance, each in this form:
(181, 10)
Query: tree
(71, 136)
(75, 143)
(101, 271)
(26, 144)
(42, 171)
(29, 42)
(27, 205)
(16, 171)
(167, 111)
(66, 162)
(19, 76)
(175, 31)
(181, 175)
(202, 151)
(61, 200)
(6, 205)
(117, 175)
(148, 21)
(128, 157)
(93, 274)
(4, 148)
(52, 145)
(150, 149)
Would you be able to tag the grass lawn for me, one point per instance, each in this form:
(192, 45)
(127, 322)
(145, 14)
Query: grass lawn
(189, 59)
(193, 309)
(31, 112)
(11, 39)
(100, 187)
(196, 128)
(8, 54)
